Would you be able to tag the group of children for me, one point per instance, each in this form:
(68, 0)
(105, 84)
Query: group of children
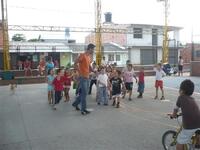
(57, 85)
(111, 83)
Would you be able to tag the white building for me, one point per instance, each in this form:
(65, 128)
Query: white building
(145, 44)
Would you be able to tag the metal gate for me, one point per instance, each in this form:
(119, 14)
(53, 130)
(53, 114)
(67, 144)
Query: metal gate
(148, 56)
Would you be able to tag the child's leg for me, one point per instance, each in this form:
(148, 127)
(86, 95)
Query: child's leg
(25, 72)
(156, 93)
(68, 98)
(124, 91)
(114, 101)
(110, 93)
(105, 95)
(118, 101)
(49, 97)
(162, 92)
(99, 95)
(130, 94)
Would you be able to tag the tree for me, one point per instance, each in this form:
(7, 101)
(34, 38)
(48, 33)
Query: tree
(18, 37)
(36, 40)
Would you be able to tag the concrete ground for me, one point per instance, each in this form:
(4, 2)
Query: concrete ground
(27, 122)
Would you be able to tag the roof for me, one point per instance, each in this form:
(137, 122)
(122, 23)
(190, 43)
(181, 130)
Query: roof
(171, 28)
(38, 47)
(108, 47)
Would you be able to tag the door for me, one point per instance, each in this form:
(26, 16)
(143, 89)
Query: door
(148, 56)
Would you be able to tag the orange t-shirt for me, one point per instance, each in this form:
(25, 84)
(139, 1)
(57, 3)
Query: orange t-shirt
(84, 65)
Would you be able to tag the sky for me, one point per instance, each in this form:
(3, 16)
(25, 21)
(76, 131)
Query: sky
(80, 13)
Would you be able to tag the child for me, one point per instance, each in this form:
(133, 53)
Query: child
(93, 78)
(102, 82)
(128, 80)
(50, 79)
(190, 114)
(111, 73)
(75, 77)
(159, 82)
(67, 84)
(27, 67)
(141, 83)
(58, 87)
(116, 84)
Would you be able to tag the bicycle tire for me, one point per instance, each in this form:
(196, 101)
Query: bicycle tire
(167, 133)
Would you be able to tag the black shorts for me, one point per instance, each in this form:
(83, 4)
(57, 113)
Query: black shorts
(116, 92)
(180, 68)
(129, 86)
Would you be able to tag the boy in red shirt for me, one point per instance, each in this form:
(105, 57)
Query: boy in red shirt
(141, 83)
(58, 87)
(27, 67)
(67, 84)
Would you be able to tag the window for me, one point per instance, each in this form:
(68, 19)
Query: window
(111, 57)
(117, 57)
(154, 37)
(137, 33)
(198, 53)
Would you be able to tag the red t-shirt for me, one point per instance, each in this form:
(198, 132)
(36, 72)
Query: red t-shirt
(66, 80)
(141, 77)
(58, 84)
(27, 64)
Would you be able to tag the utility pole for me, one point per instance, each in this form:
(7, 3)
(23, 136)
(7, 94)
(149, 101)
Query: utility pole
(98, 32)
(6, 55)
(192, 47)
(165, 54)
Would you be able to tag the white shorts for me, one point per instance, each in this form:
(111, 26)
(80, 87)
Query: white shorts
(184, 137)
(116, 96)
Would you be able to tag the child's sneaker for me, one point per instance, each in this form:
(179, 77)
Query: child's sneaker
(139, 96)
(130, 99)
(113, 104)
(54, 108)
(162, 98)
(156, 97)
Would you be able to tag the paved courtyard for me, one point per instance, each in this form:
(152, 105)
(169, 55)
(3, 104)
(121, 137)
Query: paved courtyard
(27, 122)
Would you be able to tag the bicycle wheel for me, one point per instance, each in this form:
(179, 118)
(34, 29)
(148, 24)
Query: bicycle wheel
(168, 140)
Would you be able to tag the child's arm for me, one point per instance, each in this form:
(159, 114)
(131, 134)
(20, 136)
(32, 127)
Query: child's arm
(175, 111)
(134, 75)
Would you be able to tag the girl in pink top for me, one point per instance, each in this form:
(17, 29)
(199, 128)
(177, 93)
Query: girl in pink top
(128, 80)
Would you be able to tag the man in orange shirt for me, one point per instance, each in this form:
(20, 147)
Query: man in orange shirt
(82, 64)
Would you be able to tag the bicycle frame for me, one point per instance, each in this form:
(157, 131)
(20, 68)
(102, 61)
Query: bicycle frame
(193, 139)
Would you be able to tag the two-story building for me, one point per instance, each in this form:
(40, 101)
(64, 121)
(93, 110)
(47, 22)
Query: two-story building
(145, 42)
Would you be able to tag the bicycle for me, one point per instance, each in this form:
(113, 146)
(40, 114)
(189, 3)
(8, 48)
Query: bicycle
(172, 134)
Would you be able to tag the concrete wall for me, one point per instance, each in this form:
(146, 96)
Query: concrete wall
(145, 41)
(195, 71)
(135, 55)
(120, 39)
(123, 57)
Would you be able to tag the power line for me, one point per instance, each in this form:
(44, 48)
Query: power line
(50, 10)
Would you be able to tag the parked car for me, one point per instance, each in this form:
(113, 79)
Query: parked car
(169, 70)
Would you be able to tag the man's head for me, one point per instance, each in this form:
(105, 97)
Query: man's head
(90, 48)
(186, 87)
(180, 57)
